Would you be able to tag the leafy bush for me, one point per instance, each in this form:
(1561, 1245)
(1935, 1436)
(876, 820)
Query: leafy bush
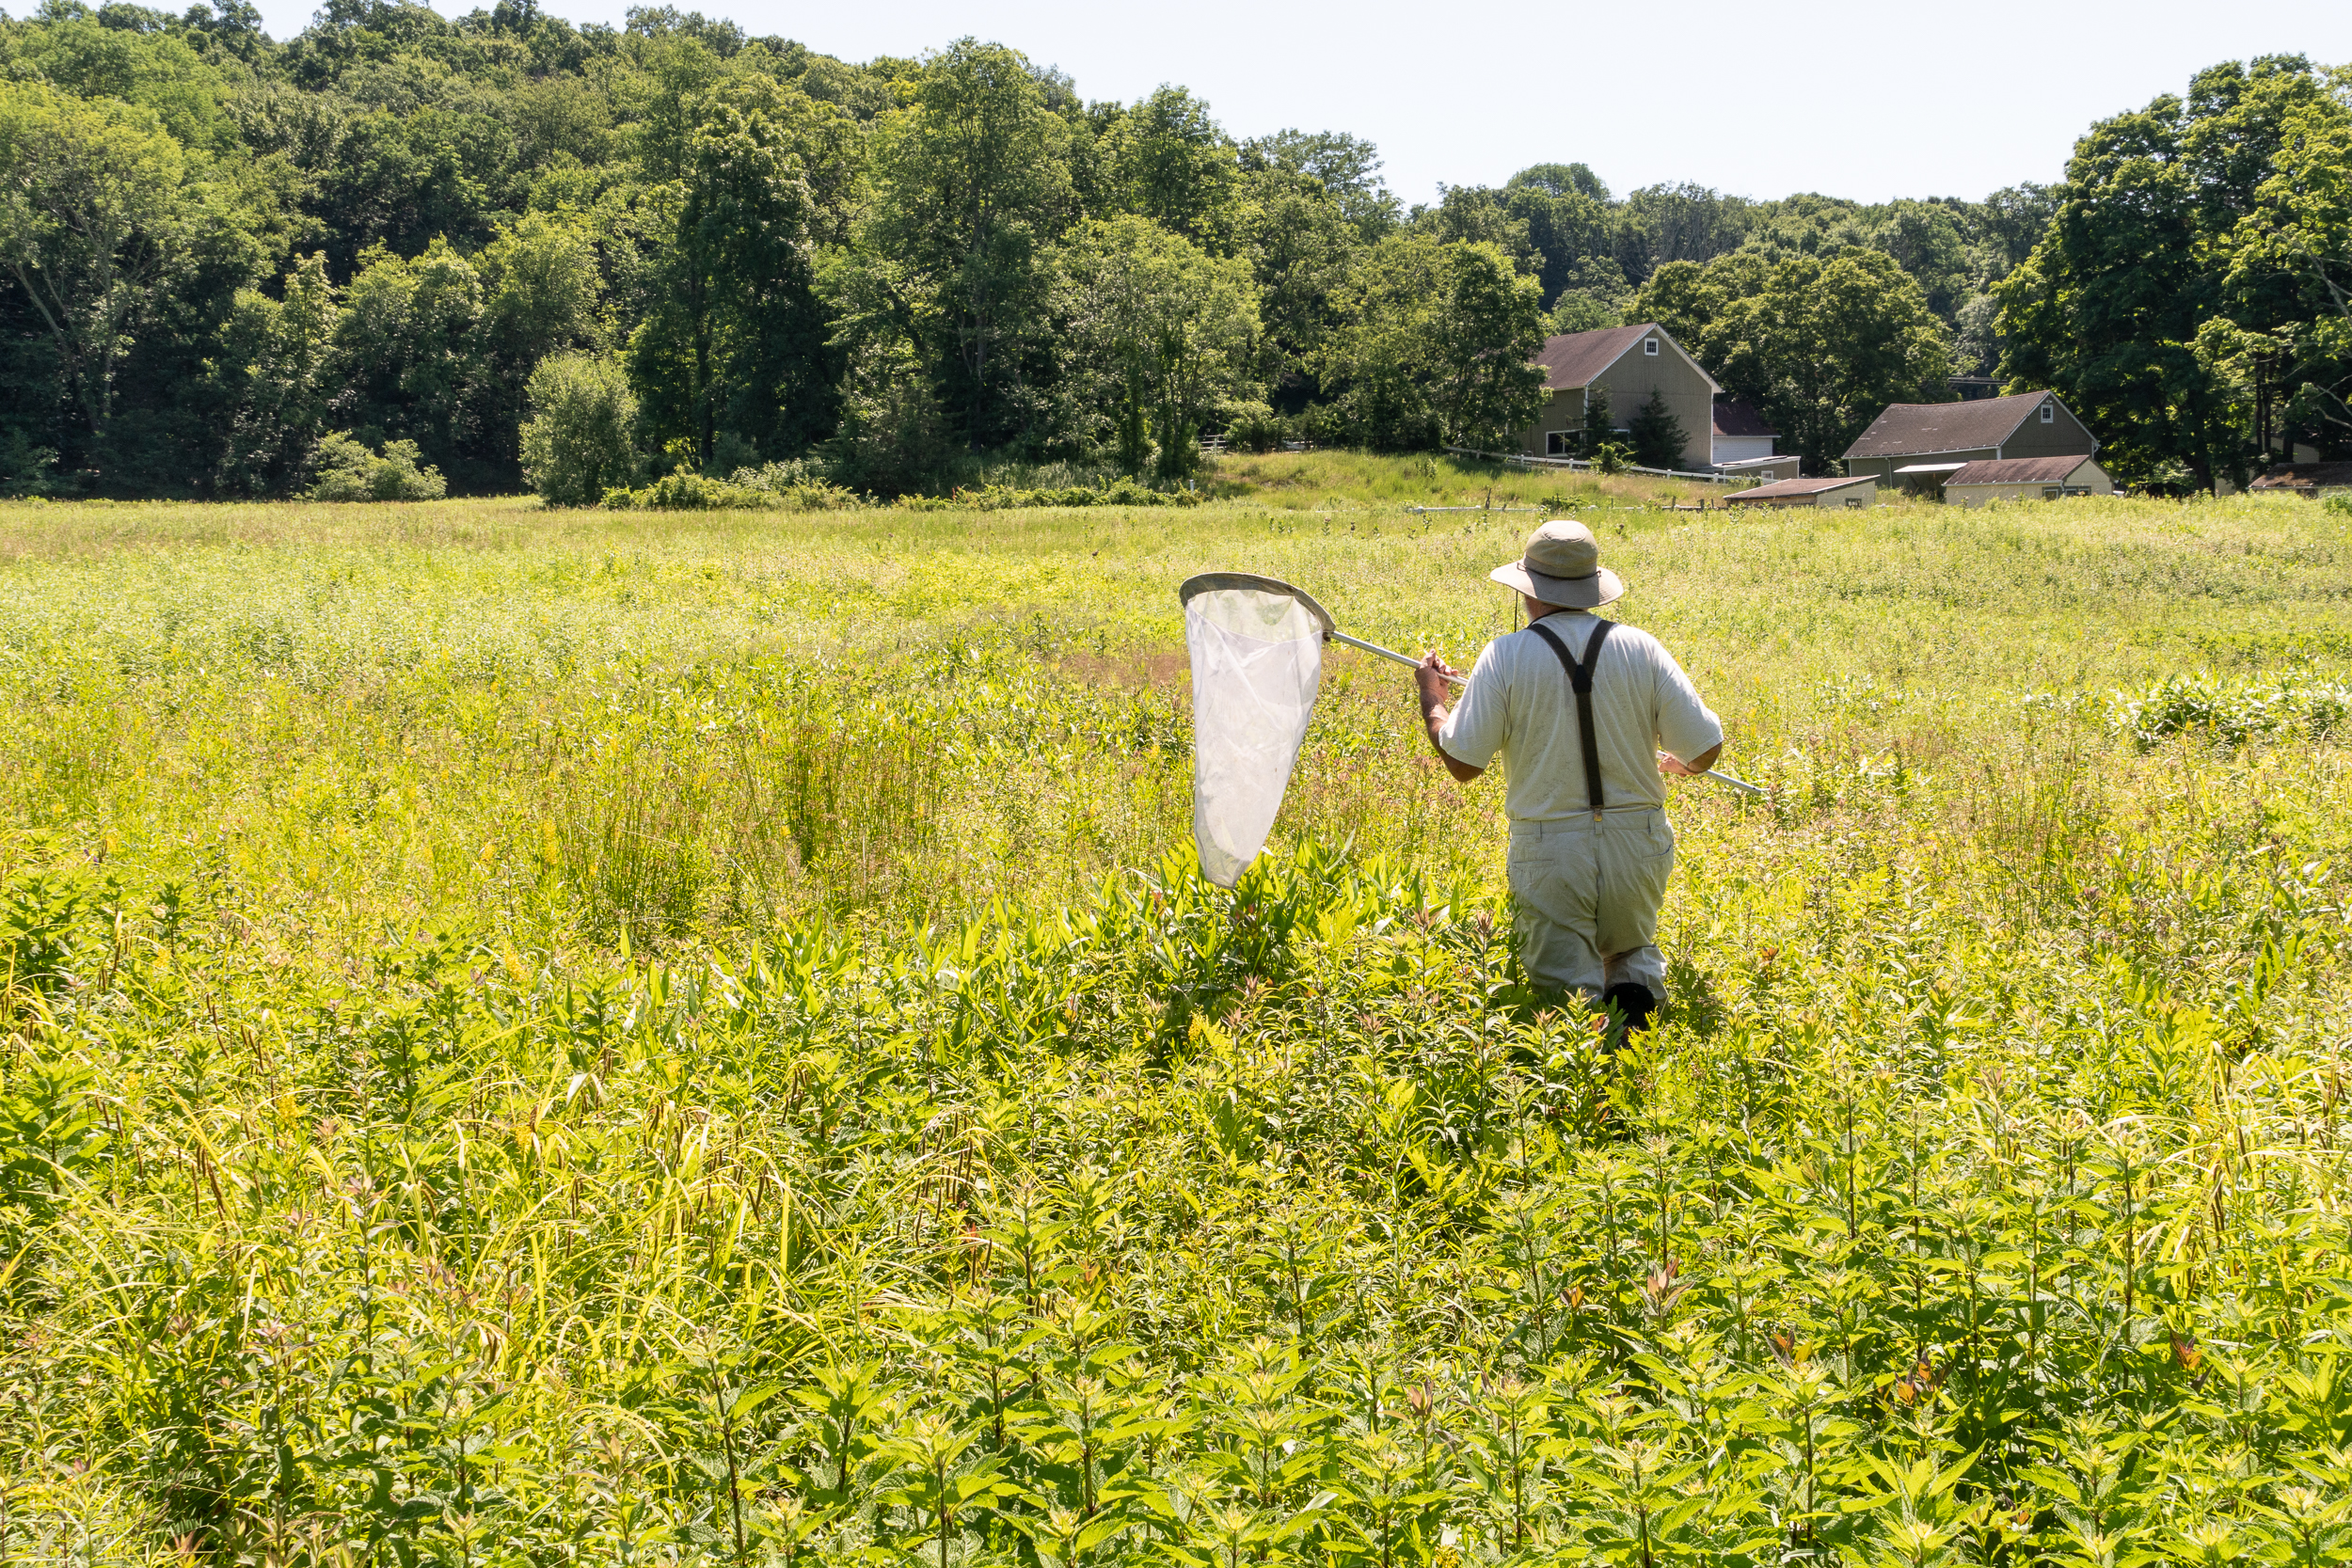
(1119, 492)
(1324, 423)
(347, 471)
(1253, 427)
(688, 491)
(578, 444)
(24, 468)
(774, 487)
(801, 484)
(894, 438)
(2229, 716)
(2341, 503)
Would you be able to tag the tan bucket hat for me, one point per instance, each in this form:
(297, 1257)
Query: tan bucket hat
(1561, 565)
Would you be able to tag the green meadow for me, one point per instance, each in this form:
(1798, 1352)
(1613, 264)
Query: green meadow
(546, 1038)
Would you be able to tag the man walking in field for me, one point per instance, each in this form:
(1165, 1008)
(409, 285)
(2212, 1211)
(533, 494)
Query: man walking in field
(1582, 712)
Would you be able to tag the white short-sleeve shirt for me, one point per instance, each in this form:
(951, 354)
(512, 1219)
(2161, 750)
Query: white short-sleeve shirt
(1518, 703)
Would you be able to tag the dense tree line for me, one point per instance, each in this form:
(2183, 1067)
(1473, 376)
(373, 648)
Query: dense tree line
(2190, 295)
(476, 247)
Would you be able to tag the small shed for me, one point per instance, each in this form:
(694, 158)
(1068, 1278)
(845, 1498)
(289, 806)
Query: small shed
(1769, 469)
(2309, 480)
(2017, 479)
(1861, 490)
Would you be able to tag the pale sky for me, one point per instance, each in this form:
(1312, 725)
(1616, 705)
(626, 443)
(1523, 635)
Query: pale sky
(1866, 101)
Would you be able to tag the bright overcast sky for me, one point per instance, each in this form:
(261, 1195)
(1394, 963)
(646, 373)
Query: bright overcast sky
(1866, 101)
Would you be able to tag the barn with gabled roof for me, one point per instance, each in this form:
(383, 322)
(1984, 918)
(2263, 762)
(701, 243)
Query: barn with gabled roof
(1624, 365)
(1917, 446)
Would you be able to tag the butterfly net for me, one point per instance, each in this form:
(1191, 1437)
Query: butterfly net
(1257, 658)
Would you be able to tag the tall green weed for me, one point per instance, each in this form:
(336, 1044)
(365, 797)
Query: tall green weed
(595, 1037)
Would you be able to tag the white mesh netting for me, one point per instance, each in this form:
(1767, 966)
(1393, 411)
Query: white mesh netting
(1257, 658)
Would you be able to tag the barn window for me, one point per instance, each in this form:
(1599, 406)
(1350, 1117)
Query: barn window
(1649, 346)
(2049, 412)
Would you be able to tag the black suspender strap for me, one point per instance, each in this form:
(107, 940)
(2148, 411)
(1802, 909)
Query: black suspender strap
(1580, 677)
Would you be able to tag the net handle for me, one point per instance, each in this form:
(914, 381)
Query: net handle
(1208, 581)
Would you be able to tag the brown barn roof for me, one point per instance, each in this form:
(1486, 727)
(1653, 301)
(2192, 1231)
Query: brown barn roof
(1913, 429)
(2019, 470)
(1572, 359)
(2305, 476)
(1734, 418)
(1792, 487)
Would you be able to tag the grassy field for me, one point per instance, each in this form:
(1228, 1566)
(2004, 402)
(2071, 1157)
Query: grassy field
(586, 1037)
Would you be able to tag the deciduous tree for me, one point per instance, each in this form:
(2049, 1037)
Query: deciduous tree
(1177, 166)
(276, 375)
(408, 361)
(973, 187)
(1162, 332)
(2290, 273)
(94, 213)
(1438, 346)
(2110, 307)
(738, 341)
(579, 440)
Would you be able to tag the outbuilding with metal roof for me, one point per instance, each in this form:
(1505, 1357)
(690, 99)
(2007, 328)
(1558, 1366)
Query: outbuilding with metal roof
(2014, 478)
(1852, 492)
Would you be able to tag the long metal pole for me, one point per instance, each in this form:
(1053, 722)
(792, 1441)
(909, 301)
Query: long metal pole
(1403, 659)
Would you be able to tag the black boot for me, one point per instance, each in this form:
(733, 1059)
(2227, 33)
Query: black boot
(1632, 1002)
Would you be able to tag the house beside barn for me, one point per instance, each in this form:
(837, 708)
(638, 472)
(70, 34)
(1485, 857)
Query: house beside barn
(1625, 364)
(1740, 434)
(1918, 446)
(1842, 493)
(2017, 479)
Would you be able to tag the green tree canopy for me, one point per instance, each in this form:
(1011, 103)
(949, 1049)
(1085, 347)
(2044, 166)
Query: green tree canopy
(218, 249)
(95, 212)
(1819, 345)
(1437, 345)
(2110, 307)
(1301, 246)
(581, 438)
(1561, 180)
(277, 377)
(408, 357)
(738, 342)
(1175, 166)
(2290, 277)
(1346, 167)
(1163, 331)
(973, 186)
